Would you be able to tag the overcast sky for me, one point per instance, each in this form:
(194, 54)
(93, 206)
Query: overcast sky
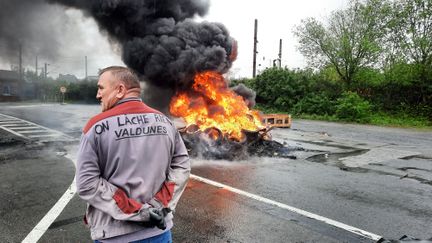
(276, 20)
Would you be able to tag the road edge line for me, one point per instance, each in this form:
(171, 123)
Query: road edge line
(332, 222)
(41, 228)
(43, 225)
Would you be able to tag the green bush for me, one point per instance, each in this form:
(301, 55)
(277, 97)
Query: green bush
(281, 88)
(317, 104)
(351, 107)
(83, 91)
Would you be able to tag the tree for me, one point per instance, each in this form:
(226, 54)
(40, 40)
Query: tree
(411, 30)
(411, 36)
(352, 38)
(281, 88)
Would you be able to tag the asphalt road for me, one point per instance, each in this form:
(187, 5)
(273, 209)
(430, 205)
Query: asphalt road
(372, 178)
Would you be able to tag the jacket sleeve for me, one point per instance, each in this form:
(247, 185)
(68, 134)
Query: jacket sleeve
(177, 177)
(101, 194)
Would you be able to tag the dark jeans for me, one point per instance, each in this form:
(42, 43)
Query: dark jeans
(162, 238)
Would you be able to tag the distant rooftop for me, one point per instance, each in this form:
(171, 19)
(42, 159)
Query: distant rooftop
(9, 75)
(68, 78)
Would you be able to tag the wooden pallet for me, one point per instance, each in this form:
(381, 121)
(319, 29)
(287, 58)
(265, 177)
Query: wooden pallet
(277, 120)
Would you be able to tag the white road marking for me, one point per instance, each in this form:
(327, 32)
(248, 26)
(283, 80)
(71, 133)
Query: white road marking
(44, 135)
(39, 230)
(32, 105)
(7, 118)
(13, 132)
(26, 128)
(8, 121)
(16, 126)
(12, 124)
(43, 225)
(31, 131)
(337, 224)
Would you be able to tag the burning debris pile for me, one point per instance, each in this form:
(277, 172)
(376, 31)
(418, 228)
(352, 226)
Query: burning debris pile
(213, 144)
(210, 103)
(220, 123)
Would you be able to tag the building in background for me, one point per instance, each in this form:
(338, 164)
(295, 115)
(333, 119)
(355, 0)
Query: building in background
(10, 86)
(68, 78)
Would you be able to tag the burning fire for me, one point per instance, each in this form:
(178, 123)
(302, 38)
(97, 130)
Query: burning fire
(210, 103)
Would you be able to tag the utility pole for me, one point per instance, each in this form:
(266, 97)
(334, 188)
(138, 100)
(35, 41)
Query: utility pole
(255, 48)
(86, 68)
(20, 62)
(280, 53)
(46, 70)
(36, 67)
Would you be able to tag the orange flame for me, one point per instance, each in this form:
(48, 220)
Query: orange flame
(211, 103)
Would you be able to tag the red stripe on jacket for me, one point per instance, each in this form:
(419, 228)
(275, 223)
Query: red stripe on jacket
(126, 204)
(129, 107)
(166, 193)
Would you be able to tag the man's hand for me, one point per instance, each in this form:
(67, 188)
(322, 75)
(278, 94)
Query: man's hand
(166, 211)
(157, 218)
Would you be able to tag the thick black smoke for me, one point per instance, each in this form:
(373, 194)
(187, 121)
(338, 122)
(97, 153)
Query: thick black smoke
(159, 39)
(248, 94)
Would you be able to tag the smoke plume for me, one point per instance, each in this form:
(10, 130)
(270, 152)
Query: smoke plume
(248, 94)
(159, 39)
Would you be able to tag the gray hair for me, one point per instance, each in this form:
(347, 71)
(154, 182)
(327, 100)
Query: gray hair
(124, 75)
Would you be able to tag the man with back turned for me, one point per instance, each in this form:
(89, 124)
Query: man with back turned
(132, 165)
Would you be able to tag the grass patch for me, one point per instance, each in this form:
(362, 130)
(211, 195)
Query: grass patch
(401, 120)
(380, 119)
(317, 117)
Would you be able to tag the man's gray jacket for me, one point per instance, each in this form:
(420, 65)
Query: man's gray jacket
(131, 158)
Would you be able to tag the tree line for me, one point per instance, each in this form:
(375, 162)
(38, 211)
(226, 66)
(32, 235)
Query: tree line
(47, 89)
(374, 56)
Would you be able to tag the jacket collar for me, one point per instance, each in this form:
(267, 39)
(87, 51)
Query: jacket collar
(128, 99)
